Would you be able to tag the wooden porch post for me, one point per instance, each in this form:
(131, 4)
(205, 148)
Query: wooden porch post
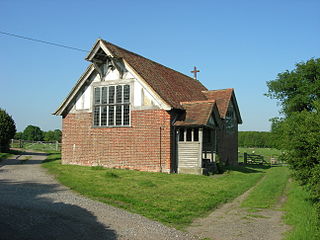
(200, 146)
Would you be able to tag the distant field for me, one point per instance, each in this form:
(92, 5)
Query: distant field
(36, 145)
(268, 153)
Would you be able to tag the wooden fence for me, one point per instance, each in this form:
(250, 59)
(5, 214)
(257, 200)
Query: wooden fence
(36, 145)
(254, 159)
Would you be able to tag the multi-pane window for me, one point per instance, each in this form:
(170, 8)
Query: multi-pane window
(111, 106)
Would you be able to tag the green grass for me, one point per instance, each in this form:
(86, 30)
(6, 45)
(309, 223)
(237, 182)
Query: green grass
(267, 192)
(301, 214)
(173, 199)
(4, 155)
(268, 153)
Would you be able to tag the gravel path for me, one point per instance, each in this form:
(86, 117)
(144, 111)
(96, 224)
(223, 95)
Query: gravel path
(231, 222)
(33, 205)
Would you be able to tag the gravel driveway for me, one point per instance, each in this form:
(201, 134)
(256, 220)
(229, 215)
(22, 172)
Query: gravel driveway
(33, 205)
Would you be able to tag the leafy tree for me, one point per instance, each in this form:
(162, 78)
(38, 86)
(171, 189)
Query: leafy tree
(18, 135)
(51, 136)
(32, 133)
(255, 139)
(300, 134)
(298, 89)
(299, 130)
(7, 130)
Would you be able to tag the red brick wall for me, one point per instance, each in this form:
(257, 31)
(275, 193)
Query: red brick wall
(136, 147)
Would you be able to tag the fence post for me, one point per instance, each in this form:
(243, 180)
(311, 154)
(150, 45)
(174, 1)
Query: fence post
(245, 156)
(20, 144)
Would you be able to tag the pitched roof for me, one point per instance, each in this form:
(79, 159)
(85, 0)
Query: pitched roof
(196, 113)
(222, 98)
(173, 87)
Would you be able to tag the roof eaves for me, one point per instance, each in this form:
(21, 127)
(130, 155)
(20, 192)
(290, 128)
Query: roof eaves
(74, 90)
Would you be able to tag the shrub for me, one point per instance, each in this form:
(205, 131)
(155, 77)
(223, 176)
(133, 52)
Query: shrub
(7, 130)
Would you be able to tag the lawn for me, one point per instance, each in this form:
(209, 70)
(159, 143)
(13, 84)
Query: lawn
(173, 199)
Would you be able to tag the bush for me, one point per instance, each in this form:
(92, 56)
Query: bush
(32, 133)
(7, 130)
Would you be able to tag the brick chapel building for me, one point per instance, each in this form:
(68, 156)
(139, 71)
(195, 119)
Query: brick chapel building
(129, 112)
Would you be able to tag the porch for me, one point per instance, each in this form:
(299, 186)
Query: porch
(196, 149)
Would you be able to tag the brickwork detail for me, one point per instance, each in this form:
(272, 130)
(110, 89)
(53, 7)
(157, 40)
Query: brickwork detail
(145, 145)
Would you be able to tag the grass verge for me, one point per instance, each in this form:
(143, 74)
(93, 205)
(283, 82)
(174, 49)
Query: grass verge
(267, 192)
(173, 199)
(4, 155)
(301, 214)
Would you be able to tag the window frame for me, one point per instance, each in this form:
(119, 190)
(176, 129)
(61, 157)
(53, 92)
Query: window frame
(123, 104)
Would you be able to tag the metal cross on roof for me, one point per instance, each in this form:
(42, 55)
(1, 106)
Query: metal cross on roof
(195, 71)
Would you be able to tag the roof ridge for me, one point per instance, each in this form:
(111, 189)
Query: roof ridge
(216, 90)
(148, 59)
(203, 101)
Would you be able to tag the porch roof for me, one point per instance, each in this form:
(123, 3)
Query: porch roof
(197, 113)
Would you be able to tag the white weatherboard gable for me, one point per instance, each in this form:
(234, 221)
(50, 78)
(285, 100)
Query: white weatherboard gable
(142, 96)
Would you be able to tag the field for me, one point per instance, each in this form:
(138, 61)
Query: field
(268, 153)
(36, 145)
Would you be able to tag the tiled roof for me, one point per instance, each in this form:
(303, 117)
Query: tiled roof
(222, 98)
(196, 113)
(173, 87)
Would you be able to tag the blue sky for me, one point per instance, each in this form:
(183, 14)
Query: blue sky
(235, 44)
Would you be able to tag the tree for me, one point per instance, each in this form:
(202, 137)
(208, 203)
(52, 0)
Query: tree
(51, 136)
(299, 130)
(7, 130)
(298, 89)
(18, 135)
(32, 133)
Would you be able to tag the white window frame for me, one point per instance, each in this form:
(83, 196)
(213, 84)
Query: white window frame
(114, 104)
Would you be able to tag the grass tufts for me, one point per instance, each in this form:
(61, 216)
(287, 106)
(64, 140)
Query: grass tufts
(301, 214)
(112, 175)
(97, 168)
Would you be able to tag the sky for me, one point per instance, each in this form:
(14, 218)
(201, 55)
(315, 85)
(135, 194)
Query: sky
(234, 43)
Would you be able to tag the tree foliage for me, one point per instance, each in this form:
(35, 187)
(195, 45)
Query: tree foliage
(299, 130)
(7, 130)
(255, 139)
(32, 133)
(298, 89)
(52, 136)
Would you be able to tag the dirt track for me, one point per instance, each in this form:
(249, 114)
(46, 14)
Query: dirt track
(231, 222)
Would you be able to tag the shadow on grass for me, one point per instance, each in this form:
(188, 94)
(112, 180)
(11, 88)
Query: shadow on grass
(51, 157)
(248, 168)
